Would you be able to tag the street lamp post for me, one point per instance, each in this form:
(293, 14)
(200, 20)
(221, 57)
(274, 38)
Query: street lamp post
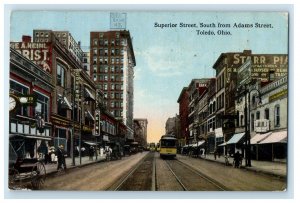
(247, 92)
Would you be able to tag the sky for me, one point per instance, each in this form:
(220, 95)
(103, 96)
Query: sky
(168, 58)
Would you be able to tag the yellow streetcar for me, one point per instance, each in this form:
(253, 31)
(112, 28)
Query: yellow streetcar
(152, 146)
(168, 146)
(158, 147)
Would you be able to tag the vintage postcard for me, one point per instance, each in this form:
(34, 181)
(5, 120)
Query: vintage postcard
(148, 101)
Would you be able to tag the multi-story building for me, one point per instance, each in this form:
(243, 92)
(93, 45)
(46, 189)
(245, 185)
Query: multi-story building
(29, 80)
(269, 120)
(242, 69)
(74, 93)
(64, 37)
(140, 131)
(183, 101)
(195, 89)
(111, 68)
(212, 137)
(172, 126)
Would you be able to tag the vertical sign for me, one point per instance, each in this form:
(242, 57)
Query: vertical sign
(77, 86)
(97, 123)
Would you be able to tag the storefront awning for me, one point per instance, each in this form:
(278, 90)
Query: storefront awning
(259, 138)
(31, 136)
(90, 143)
(276, 137)
(89, 115)
(63, 101)
(199, 143)
(88, 95)
(236, 138)
(223, 144)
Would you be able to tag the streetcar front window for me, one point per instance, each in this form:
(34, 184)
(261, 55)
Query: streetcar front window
(168, 143)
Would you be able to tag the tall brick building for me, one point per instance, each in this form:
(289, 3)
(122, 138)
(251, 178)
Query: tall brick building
(112, 61)
(183, 102)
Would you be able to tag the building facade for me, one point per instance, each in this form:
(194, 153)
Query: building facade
(183, 101)
(28, 80)
(140, 131)
(112, 61)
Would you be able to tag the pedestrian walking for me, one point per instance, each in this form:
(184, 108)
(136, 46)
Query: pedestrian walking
(91, 153)
(215, 153)
(237, 159)
(61, 161)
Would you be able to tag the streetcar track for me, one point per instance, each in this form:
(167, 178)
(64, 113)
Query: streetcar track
(177, 178)
(205, 177)
(154, 185)
(119, 184)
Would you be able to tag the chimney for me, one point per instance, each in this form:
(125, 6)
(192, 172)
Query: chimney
(79, 44)
(26, 38)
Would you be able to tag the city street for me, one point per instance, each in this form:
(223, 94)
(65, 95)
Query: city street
(146, 171)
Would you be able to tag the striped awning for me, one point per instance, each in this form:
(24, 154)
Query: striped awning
(236, 138)
(259, 138)
(199, 143)
(276, 137)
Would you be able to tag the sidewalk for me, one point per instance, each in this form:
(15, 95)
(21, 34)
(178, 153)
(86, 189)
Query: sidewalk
(52, 167)
(267, 167)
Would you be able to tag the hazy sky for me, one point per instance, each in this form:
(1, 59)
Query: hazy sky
(167, 59)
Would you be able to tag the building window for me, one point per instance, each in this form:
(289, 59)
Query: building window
(101, 52)
(105, 42)
(242, 120)
(257, 115)
(252, 122)
(267, 114)
(277, 115)
(60, 75)
(95, 42)
(42, 106)
(112, 87)
(238, 119)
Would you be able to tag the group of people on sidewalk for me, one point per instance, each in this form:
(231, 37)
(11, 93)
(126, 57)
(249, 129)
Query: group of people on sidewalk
(237, 158)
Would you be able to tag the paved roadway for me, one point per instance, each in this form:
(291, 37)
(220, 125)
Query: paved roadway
(268, 167)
